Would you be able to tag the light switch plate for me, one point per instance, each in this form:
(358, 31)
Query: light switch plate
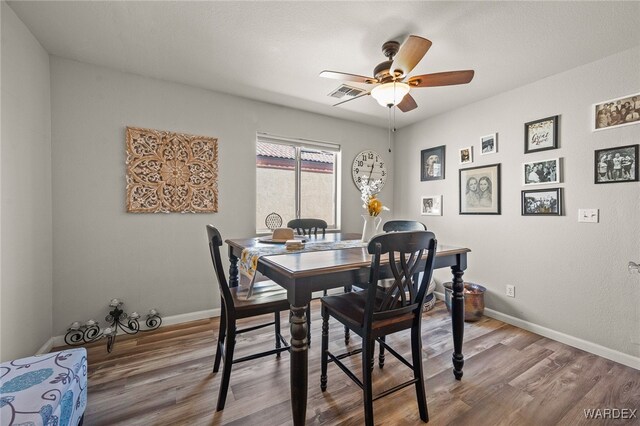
(588, 215)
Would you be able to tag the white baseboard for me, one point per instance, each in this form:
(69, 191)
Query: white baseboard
(594, 348)
(191, 316)
(171, 320)
(576, 342)
(46, 347)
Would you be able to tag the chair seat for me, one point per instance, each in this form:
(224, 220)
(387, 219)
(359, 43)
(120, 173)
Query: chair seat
(348, 308)
(267, 297)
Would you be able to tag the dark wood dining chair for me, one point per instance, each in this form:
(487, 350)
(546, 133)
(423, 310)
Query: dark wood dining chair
(267, 298)
(400, 226)
(403, 225)
(377, 312)
(308, 227)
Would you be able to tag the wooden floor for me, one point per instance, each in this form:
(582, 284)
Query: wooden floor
(511, 377)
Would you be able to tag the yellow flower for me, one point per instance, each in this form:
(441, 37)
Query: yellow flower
(370, 203)
(374, 207)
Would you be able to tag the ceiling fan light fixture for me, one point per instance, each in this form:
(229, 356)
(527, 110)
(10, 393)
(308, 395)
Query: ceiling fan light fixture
(390, 94)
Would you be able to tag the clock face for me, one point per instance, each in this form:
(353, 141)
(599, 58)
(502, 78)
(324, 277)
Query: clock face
(368, 166)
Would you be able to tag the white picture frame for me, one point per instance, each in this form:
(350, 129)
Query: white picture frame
(602, 113)
(465, 155)
(489, 144)
(541, 172)
(431, 205)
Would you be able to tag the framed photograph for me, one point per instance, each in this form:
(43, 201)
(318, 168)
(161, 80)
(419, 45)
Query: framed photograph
(480, 190)
(431, 205)
(613, 165)
(466, 155)
(489, 144)
(617, 112)
(541, 135)
(541, 172)
(542, 202)
(432, 163)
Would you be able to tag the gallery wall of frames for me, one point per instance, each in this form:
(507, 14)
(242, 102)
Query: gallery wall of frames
(479, 186)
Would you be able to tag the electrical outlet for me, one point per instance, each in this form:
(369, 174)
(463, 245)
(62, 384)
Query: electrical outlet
(588, 215)
(511, 291)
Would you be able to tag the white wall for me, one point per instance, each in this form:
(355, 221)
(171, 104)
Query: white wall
(570, 277)
(26, 261)
(159, 260)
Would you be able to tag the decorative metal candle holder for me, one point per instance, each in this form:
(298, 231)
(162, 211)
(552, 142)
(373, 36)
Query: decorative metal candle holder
(79, 334)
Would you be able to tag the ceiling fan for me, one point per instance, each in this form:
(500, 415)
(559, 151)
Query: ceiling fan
(391, 76)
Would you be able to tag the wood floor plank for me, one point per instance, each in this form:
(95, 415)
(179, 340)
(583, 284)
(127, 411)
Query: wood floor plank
(511, 377)
(492, 408)
(618, 389)
(559, 393)
(472, 346)
(487, 371)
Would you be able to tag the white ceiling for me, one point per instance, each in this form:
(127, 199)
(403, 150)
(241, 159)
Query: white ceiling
(273, 51)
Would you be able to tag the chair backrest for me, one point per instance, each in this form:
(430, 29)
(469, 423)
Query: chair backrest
(215, 242)
(406, 253)
(403, 225)
(308, 226)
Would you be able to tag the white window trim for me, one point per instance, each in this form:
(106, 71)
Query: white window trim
(317, 145)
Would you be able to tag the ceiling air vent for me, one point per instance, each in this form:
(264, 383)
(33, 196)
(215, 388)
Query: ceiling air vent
(345, 90)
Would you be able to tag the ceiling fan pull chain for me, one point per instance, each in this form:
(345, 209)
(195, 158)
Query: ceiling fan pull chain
(390, 127)
(394, 127)
(394, 120)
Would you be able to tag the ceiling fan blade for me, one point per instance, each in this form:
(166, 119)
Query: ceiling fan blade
(355, 97)
(348, 77)
(407, 104)
(441, 79)
(410, 53)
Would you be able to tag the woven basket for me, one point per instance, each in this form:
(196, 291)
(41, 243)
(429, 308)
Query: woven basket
(430, 302)
(430, 298)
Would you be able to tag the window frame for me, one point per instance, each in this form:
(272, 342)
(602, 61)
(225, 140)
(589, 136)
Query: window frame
(309, 145)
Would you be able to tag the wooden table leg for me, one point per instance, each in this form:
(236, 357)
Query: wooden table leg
(299, 364)
(457, 320)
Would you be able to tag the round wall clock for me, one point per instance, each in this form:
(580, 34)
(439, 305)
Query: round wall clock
(368, 166)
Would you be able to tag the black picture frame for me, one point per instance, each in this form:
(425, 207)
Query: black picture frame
(432, 161)
(541, 135)
(472, 198)
(541, 202)
(607, 171)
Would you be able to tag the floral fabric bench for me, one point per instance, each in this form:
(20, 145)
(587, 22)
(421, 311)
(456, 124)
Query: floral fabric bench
(47, 390)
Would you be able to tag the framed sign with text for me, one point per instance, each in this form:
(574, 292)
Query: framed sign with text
(541, 135)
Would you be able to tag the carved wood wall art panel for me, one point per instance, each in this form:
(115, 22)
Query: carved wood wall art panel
(171, 172)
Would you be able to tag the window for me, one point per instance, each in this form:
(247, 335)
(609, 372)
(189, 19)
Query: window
(296, 179)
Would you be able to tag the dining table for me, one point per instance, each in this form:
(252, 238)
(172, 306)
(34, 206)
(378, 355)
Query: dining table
(303, 272)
